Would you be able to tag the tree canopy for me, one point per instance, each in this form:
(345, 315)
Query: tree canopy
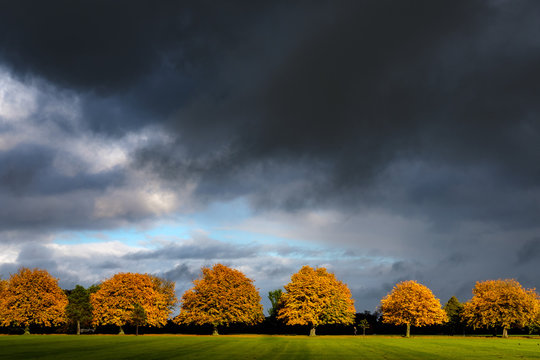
(32, 296)
(166, 289)
(412, 304)
(315, 297)
(454, 311)
(79, 309)
(138, 317)
(274, 296)
(221, 297)
(116, 298)
(3, 284)
(501, 303)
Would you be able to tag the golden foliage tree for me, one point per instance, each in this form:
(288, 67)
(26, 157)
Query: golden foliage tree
(501, 303)
(165, 288)
(3, 284)
(32, 297)
(221, 297)
(412, 304)
(118, 296)
(315, 297)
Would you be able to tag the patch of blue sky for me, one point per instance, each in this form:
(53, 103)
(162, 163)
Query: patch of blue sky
(223, 213)
(217, 223)
(128, 236)
(213, 218)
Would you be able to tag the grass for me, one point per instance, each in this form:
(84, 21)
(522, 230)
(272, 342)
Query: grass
(264, 347)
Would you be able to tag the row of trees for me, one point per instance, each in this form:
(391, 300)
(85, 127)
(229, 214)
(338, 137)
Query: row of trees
(224, 296)
(495, 304)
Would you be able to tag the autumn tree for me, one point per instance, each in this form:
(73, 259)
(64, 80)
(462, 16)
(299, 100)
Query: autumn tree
(116, 298)
(32, 297)
(501, 303)
(412, 304)
(221, 297)
(534, 326)
(166, 289)
(453, 309)
(3, 285)
(315, 297)
(79, 309)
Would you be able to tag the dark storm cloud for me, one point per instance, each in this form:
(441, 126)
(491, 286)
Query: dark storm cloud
(89, 44)
(35, 193)
(28, 169)
(151, 56)
(529, 251)
(309, 100)
(366, 86)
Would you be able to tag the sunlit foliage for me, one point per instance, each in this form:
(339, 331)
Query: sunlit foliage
(412, 304)
(315, 297)
(32, 296)
(221, 297)
(116, 298)
(3, 284)
(165, 288)
(501, 303)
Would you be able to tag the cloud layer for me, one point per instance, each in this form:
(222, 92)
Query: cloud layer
(402, 135)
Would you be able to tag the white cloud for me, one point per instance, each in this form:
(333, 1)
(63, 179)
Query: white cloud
(17, 100)
(99, 184)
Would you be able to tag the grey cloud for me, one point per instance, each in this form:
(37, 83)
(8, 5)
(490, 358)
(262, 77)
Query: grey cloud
(180, 273)
(109, 265)
(528, 252)
(36, 255)
(366, 90)
(6, 269)
(200, 248)
(28, 170)
(311, 102)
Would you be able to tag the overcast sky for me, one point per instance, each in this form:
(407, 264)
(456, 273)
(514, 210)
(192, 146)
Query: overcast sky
(384, 140)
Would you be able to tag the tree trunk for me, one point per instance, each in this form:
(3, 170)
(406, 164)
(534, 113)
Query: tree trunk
(363, 331)
(136, 330)
(408, 334)
(215, 332)
(27, 330)
(121, 332)
(505, 332)
(78, 327)
(312, 331)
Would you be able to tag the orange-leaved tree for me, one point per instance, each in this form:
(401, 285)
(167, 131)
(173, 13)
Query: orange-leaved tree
(315, 297)
(120, 296)
(412, 304)
(221, 297)
(32, 296)
(501, 303)
(3, 284)
(166, 289)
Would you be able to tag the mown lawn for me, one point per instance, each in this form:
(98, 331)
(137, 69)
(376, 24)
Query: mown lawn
(148, 347)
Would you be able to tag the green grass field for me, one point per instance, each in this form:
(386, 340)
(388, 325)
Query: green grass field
(264, 347)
